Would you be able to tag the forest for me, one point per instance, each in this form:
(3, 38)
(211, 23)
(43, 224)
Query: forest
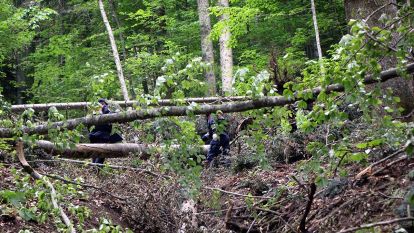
(121, 116)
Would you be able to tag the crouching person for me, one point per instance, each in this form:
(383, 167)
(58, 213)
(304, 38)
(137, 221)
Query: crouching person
(221, 140)
(102, 133)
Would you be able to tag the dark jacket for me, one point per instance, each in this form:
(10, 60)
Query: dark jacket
(102, 133)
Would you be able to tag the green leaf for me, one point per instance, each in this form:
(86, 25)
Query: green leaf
(14, 198)
(357, 157)
(27, 214)
(362, 145)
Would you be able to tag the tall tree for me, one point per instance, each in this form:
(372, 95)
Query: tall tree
(370, 12)
(207, 44)
(114, 51)
(226, 53)
(315, 25)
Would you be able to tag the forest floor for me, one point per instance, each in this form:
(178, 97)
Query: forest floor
(249, 200)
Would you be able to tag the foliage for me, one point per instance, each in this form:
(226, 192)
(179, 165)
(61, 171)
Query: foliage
(184, 160)
(65, 55)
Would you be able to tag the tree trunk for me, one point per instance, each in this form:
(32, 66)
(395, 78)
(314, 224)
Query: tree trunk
(114, 51)
(267, 101)
(315, 24)
(161, 102)
(358, 9)
(102, 150)
(226, 53)
(207, 45)
(112, 8)
(20, 78)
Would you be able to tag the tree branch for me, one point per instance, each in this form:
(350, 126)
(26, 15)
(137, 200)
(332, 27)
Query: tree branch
(383, 223)
(311, 195)
(36, 175)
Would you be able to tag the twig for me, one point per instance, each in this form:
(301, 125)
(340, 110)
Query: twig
(378, 9)
(339, 164)
(390, 164)
(36, 175)
(383, 223)
(335, 210)
(298, 181)
(302, 226)
(83, 185)
(375, 34)
(390, 197)
(251, 225)
(235, 139)
(236, 194)
(220, 211)
(405, 117)
(280, 217)
(369, 168)
(105, 165)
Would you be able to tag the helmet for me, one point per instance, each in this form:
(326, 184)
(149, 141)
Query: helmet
(102, 101)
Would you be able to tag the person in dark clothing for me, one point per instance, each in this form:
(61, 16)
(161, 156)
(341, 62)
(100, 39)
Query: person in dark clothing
(209, 135)
(221, 139)
(102, 133)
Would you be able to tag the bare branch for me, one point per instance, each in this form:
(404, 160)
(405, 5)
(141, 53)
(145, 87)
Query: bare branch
(383, 223)
(36, 175)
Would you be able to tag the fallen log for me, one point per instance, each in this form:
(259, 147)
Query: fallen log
(124, 104)
(117, 150)
(128, 116)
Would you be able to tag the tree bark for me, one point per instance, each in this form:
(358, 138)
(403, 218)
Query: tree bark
(373, 9)
(315, 25)
(207, 45)
(117, 150)
(114, 51)
(128, 116)
(226, 53)
(162, 102)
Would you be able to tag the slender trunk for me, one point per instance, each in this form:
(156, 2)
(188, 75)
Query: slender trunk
(226, 53)
(315, 24)
(114, 51)
(20, 79)
(207, 45)
(112, 8)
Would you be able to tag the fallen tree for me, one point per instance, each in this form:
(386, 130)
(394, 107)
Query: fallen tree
(124, 104)
(103, 150)
(262, 102)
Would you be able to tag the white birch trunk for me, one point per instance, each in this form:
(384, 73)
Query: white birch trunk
(207, 44)
(114, 51)
(226, 53)
(315, 24)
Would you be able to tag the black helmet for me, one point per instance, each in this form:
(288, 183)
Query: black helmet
(102, 100)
